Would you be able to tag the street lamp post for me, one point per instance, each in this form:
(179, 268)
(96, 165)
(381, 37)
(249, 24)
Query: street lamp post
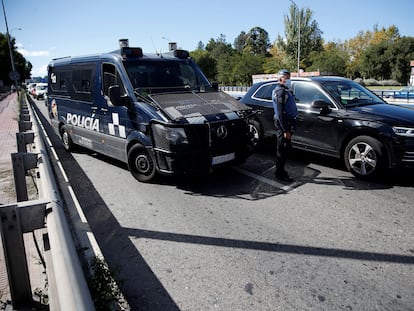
(297, 8)
(14, 74)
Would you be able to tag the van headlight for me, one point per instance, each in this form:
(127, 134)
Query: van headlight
(403, 131)
(174, 135)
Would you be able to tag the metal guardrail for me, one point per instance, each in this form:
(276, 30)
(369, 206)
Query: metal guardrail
(68, 289)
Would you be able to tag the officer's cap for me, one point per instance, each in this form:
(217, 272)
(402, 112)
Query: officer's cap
(283, 72)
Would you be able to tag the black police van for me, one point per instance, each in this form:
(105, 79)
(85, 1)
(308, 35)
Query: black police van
(156, 112)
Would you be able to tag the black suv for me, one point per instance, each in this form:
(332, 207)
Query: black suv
(341, 118)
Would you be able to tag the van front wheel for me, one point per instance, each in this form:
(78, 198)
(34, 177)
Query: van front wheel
(66, 140)
(141, 164)
(255, 133)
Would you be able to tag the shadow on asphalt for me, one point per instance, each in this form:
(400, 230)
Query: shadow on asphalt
(301, 160)
(271, 247)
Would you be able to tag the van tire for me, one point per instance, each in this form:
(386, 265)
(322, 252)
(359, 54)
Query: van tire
(141, 164)
(66, 139)
(255, 132)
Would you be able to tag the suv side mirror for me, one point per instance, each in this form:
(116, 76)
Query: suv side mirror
(322, 105)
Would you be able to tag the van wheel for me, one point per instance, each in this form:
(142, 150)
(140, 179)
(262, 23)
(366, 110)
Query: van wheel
(141, 164)
(255, 132)
(66, 140)
(364, 157)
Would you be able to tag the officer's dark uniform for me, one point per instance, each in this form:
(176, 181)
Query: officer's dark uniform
(285, 121)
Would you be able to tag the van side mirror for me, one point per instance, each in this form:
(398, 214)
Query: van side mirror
(322, 105)
(215, 86)
(114, 92)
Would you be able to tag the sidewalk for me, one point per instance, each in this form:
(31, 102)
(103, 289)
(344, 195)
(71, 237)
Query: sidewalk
(9, 110)
(8, 129)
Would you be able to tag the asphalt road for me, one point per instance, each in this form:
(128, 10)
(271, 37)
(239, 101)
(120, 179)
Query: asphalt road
(239, 240)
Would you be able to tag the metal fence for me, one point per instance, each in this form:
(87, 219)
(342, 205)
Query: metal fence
(391, 96)
(67, 289)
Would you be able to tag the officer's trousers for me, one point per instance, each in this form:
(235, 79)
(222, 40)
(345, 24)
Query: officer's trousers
(283, 149)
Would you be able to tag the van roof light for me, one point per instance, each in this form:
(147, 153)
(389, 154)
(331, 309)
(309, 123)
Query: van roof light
(128, 52)
(183, 54)
(172, 46)
(123, 43)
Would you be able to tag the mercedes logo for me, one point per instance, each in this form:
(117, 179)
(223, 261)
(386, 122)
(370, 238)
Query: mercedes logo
(222, 132)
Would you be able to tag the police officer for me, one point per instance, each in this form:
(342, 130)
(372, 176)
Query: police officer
(285, 112)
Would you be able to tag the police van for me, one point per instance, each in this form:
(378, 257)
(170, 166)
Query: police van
(156, 112)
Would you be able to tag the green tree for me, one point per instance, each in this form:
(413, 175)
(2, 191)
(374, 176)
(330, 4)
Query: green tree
(332, 60)
(225, 70)
(22, 66)
(200, 45)
(206, 62)
(219, 47)
(375, 63)
(222, 53)
(257, 41)
(244, 66)
(390, 34)
(300, 21)
(240, 42)
(276, 60)
(400, 53)
(357, 46)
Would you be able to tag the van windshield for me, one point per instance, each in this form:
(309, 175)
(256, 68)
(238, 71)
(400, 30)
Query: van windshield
(164, 75)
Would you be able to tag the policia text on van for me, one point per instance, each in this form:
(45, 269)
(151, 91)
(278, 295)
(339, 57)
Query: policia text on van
(157, 112)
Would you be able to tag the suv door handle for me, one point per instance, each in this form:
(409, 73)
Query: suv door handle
(104, 109)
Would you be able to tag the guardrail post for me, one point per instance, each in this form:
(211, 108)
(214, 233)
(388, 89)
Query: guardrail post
(23, 139)
(25, 126)
(15, 257)
(17, 219)
(21, 163)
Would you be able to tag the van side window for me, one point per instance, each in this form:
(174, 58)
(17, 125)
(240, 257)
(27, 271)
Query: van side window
(110, 77)
(82, 84)
(59, 81)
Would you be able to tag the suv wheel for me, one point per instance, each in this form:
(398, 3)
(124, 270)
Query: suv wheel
(141, 164)
(364, 156)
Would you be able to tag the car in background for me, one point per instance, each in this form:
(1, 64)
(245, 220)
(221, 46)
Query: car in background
(30, 88)
(340, 118)
(406, 92)
(39, 90)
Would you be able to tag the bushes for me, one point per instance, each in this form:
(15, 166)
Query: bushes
(373, 82)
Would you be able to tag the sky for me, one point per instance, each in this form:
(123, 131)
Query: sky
(47, 29)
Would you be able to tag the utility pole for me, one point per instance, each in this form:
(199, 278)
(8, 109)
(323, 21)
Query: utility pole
(14, 75)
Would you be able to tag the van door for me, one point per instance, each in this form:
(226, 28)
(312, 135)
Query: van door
(82, 114)
(116, 120)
